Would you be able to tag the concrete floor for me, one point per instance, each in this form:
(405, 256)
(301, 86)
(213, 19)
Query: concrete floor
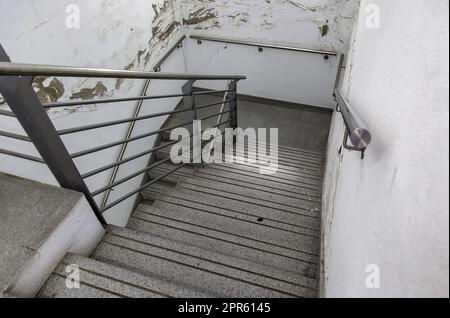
(299, 126)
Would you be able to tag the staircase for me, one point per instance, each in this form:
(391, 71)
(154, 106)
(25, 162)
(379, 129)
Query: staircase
(222, 230)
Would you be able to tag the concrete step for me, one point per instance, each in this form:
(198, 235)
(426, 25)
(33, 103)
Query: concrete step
(309, 167)
(243, 227)
(283, 151)
(261, 187)
(244, 176)
(245, 192)
(102, 280)
(231, 189)
(301, 239)
(156, 222)
(235, 204)
(205, 271)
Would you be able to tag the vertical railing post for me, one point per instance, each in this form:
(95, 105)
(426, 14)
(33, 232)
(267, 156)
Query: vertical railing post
(189, 102)
(232, 96)
(188, 99)
(24, 102)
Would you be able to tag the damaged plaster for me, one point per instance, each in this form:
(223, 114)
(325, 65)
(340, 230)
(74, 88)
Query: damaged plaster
(99, 90)
(320, 24)
(48, 91)
(165, 24)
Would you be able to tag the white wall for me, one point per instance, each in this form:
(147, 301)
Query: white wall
(291, 76)
(391, 209)
(112, 34)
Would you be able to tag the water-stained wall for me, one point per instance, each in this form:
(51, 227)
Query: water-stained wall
(319, 24)
(291, 76)
(133, 35)
(115, 34)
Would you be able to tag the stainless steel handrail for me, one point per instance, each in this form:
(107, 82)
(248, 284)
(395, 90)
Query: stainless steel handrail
(15, 69)
(260, 44)
(178, 44)
(360, 137)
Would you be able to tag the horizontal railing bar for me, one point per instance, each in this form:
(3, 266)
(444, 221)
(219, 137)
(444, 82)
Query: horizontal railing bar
(177, 44)
(17, 69)
(7, 113)
(134, 175)
(260, 44)
(110, 166)
(14, 136)
(21, 155)
(359, 136)
(117, 143)
(120, 162)
(213, 104)
(101, 190)
(122, 121)
(113, 100)
(153, 181)
(213, 92)
(128, 195)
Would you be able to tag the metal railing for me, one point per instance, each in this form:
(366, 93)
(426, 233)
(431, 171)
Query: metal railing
(137, 110)
(355, 130)
(262, 45)
(17, 91)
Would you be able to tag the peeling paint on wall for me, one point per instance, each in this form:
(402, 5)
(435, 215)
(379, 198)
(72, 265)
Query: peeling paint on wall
(201, 15)
(324, 30)
(282, 21)
(98, 90)
(50, 92)
(164, 26)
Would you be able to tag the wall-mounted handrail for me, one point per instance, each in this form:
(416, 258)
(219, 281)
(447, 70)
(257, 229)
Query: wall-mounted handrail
(21, 69)
(178, 44)
(339, 73)
(260, 45)
(359, 136)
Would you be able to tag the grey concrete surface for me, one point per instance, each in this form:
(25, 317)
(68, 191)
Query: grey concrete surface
(39, 225)
(102, 280)
(299, 126)
(220, 230)
(29, 213)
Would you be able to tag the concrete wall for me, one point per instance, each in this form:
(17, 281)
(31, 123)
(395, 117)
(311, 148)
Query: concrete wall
(391, 209)
(112, 34)
(120, 35)
(284, 75)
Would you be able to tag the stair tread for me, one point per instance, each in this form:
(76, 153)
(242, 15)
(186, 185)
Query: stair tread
(212, 200)
(200, 269)
(260, 252)
(247, 176)
(100, 279)
(283, 150)
(311, 167)
(290, 236)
